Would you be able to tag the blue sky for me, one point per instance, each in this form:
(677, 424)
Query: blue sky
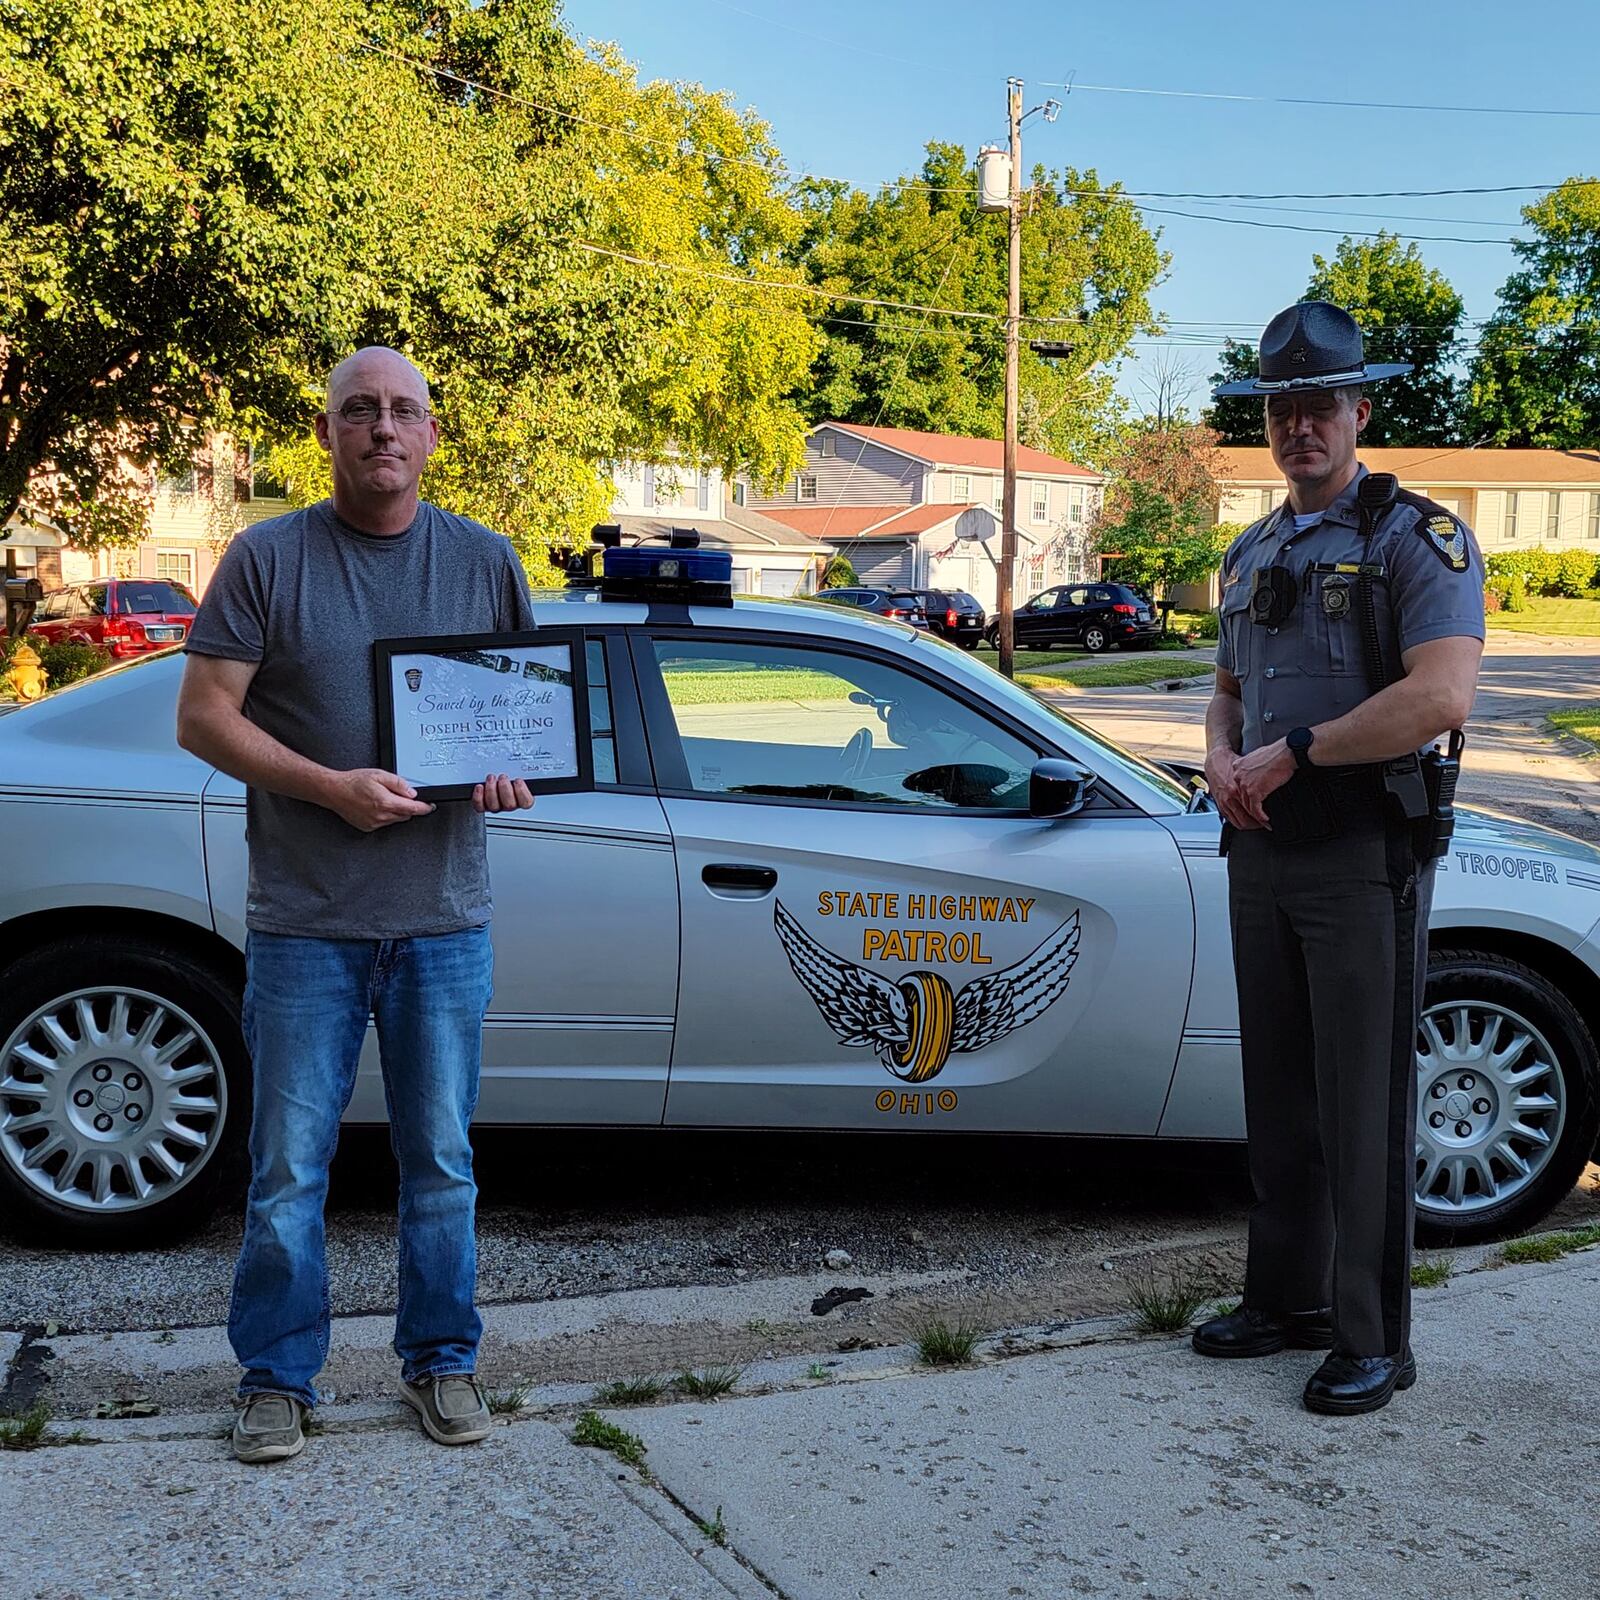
(854, 90)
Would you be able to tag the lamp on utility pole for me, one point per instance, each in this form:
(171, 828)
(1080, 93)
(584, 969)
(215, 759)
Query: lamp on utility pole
(989, 201)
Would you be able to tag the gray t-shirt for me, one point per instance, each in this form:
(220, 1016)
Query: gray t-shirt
(306, 595)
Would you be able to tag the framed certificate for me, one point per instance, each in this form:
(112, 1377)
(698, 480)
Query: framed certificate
(455, 708)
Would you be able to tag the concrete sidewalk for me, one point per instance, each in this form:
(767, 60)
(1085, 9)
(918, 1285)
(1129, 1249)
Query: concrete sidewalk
(1078, 1460)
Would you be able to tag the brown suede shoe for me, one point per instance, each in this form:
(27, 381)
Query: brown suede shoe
(271, 1427)
(452, 1408)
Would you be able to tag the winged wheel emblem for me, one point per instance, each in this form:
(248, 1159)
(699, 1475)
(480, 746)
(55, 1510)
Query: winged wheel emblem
(916, 1023)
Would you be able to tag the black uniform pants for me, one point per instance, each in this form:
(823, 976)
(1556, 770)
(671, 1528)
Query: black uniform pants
(1330, 953)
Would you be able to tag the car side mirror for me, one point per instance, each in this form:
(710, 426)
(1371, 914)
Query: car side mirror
(1058, 788)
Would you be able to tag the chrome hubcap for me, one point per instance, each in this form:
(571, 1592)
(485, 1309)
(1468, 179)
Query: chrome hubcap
(1490, 1106)
(110, 1099)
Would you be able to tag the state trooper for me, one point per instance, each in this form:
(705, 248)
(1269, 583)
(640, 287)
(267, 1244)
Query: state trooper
(1351, 633)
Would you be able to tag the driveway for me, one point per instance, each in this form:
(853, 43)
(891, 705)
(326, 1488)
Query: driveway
(1512, 763)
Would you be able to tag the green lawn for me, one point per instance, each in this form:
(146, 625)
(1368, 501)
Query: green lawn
(1116, 674)
(1574, 618)
(709, 687)
(1581, 721)
(1026, 660)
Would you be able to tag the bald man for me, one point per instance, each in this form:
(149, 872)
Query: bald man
(363, 899)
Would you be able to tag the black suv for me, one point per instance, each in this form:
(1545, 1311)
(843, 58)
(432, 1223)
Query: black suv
(903, 605)
(1095, 615)
(954, 614)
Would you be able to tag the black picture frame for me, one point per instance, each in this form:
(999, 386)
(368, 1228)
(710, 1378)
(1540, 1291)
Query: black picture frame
(385, 652)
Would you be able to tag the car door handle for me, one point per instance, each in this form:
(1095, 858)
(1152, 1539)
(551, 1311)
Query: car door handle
(734, 875)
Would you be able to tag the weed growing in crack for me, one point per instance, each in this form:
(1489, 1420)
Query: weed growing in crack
(1432, 1273)
(639, 1391)
(1168, 1303)
(944, 1343)
(1549, 1246)
(708, 1383)
(716, 1530)
(818, 1373)
(508, 1402)
(594, 1431)
(27, 1431)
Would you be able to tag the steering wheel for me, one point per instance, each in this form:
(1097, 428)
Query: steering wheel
(856, 753)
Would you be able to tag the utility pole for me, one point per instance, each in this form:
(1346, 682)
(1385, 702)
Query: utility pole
(1008, 502)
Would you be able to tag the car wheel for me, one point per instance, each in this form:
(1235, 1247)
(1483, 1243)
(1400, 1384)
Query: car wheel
(124, 1091)
(969, 643)
(1095, 638)
(1508, 1098)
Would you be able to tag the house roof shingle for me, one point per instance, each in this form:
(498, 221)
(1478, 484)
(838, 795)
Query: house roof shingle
(954, 450)
(832, 522)
(1433, 466)
(749, 532)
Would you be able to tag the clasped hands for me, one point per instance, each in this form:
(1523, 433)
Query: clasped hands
(1240, 784)
(369, 798)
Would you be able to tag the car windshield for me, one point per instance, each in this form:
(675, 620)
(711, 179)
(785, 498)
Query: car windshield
(1000, 689)
(137, 598)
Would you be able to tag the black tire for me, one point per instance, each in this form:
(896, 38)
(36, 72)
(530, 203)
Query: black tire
(968, 643)
(205, 997)
(1096, 638)
(1469, 976)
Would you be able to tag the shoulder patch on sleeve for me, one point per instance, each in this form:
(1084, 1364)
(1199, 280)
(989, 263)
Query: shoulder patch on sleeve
(1447, 539)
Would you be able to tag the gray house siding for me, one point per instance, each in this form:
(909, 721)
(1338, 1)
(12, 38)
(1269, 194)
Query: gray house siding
(856, 474)
(884, 565)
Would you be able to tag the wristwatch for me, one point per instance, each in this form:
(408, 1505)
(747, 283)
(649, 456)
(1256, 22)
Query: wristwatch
(1299, 742)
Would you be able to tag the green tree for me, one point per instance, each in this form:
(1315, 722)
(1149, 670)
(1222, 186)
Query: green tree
(1088, 263)
(1236, 418)
(1407, 312)
(839, 574)
(1536, 380)
(207, 205)
(1152, 542)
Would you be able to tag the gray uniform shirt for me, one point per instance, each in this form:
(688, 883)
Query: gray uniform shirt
(305, 595)
(1311, 668)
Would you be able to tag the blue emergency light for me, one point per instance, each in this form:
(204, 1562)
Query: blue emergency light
(681, 572)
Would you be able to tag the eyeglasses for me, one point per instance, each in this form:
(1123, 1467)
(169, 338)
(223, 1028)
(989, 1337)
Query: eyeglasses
(360, 412)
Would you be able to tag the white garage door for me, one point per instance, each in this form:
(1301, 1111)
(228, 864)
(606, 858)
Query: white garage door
(741, 580)
(777, 581)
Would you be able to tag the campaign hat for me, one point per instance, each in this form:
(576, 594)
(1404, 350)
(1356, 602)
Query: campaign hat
(1312, 345)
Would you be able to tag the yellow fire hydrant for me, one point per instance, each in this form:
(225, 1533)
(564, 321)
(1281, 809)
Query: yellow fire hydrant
(26, 678)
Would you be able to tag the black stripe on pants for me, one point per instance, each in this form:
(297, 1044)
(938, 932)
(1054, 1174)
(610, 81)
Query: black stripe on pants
(1329, 968)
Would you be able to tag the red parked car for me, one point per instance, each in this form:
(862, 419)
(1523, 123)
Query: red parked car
(127, 616)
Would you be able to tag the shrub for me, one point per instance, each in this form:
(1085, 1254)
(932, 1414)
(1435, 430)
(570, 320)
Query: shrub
(67, 662)
(1575, 573)
(1492, 599)
(839, 574)
(1210, 626)
(1517, 593)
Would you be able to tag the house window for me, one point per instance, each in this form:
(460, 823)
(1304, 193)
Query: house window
(1594, 516)
(176, 566)
(805, 486)
(961, 489)
(1508, 525)
(252, 482)
(1075, 506)
(1000, 499)
(1552, 515)
(738, 494)
(1041, 502)
(180, 483)
(826, 444)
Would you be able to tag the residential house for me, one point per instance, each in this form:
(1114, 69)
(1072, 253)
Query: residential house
(1512, 499)
(924, 509)
(769, 557)
(192, 517)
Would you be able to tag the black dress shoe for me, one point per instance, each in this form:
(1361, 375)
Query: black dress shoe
(1248, 1332)
(1345, 1386)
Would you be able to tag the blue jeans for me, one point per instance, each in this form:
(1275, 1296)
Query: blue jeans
(306, 1006)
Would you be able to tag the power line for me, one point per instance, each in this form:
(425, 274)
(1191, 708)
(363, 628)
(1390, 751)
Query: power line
(1350, 194)
(1304, 227)
(1303, 100)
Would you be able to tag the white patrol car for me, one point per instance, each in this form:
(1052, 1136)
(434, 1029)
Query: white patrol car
(833, 873)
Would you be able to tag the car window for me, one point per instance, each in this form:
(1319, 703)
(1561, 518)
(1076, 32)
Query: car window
(1044, 602)
(1101, 596)
(793, 721)
(94, 599)
(1077, 597)
(602, 732)
(137, 597)
(75, 606)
